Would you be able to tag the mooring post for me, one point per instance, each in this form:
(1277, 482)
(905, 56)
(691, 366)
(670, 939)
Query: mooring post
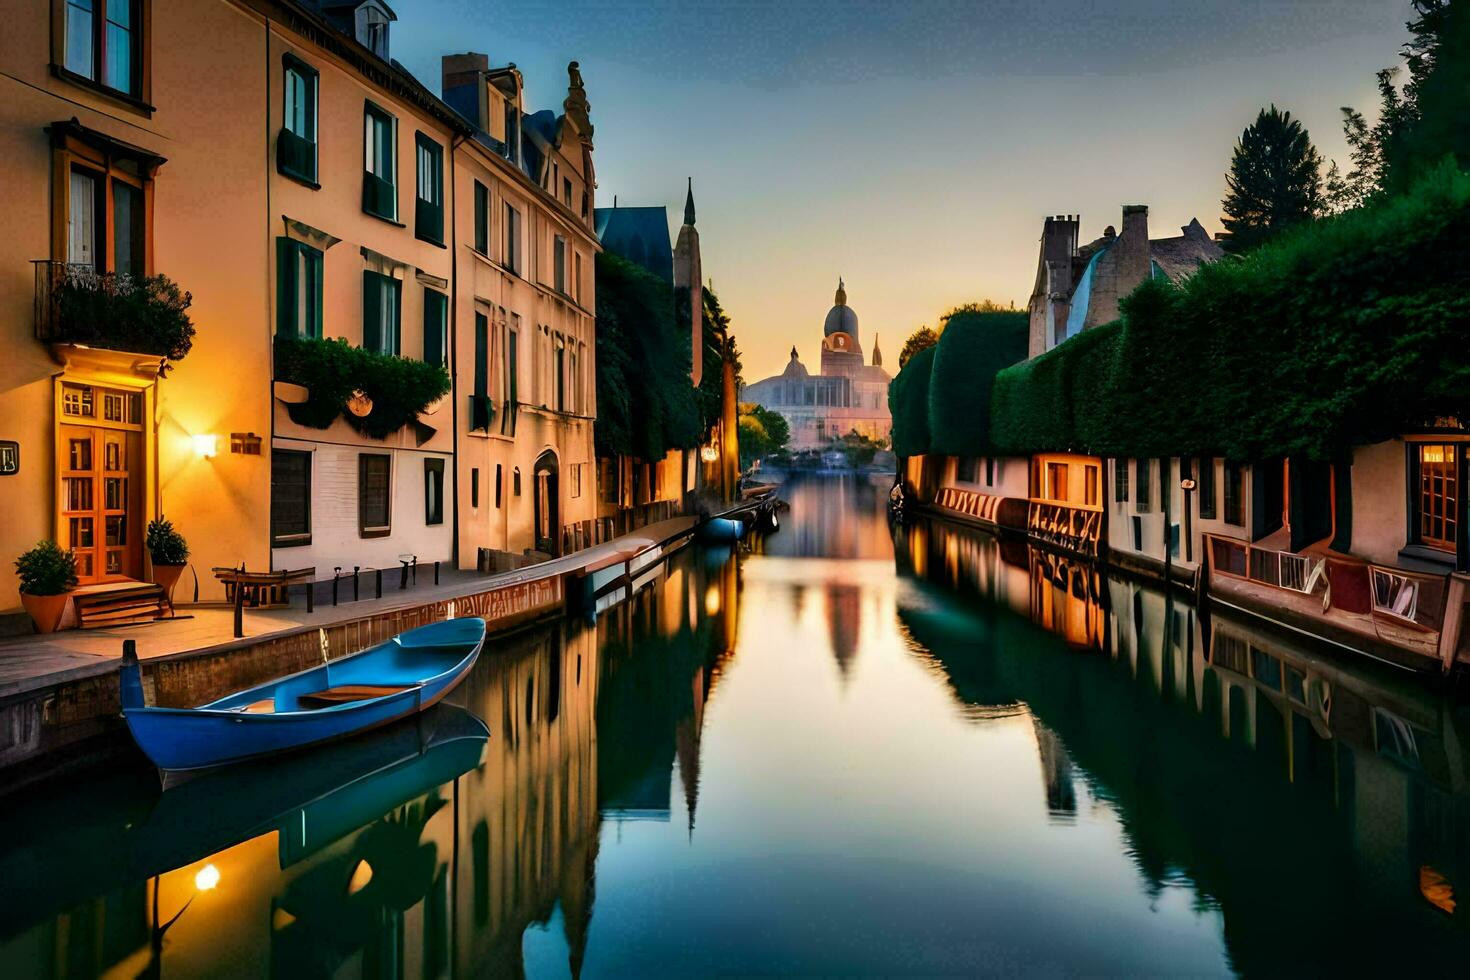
(402, 574)
(415, 569)
(436, 571)
(379, 575)
(336, 574)
(355, 582)
(240, 606)
(310, 596)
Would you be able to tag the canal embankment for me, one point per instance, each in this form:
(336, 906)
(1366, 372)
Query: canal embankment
(59, 692)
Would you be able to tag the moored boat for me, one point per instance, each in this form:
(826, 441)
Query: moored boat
(339, 698)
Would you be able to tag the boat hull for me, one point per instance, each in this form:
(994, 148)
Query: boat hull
(428, 666)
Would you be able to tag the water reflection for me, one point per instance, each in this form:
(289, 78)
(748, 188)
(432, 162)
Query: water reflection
(1306, 799)
(842, 751)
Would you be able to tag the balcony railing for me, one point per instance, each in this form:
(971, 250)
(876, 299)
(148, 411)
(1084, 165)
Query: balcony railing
(76, 304)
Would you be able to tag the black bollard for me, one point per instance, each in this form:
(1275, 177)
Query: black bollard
(379, 576)
(336, 574)
(355, 582)
(310, 596)
(239, 609)
(415, 570)
(402, 574)
(436, 572)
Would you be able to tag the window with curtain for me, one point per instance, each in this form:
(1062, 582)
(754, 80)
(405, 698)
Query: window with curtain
(433, 491)
(379, 189)
(296, 149)
(103, 43)
(374, 486)
(298, 289)
(429, 202)
(381, 305)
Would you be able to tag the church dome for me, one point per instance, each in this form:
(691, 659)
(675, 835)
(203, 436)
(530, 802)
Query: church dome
(794, 368)
(841, 318)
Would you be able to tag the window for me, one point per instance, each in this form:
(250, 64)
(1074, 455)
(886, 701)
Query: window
(576, 479)
(374, 481)
(966, 468)
(516, 481)
(296, 150)
(480, 408)
(102, 43)
(989, 470)
(482, 218)
(499, 479)
(512, 239)
(577, 275)
(433, 491)
(1234, 505)
(1206, 488)
(379, 190)
(99, 203)
(512, 379)
(372, 29)
(436, 327)
(1142, 503)
(559, 259)
(1056, 481)
(429, 205)
(1437, 503)
(566, 190)
(1120, 480)
(1089, 486)
(560, 367)
(381, 303)
(475, 487)
(290, 498)
(298, 289)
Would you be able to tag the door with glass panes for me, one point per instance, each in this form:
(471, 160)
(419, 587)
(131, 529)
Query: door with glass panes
(101, 492)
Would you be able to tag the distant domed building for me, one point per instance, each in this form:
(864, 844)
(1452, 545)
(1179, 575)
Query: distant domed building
(847, 396)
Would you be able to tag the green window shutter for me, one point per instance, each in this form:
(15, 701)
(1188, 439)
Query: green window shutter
(314, 296)
(434, 309)
(372, 311)
(479, 400)
(286, 288)
(482, 218)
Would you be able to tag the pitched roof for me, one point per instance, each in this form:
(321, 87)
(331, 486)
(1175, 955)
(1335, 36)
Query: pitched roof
(640, 235)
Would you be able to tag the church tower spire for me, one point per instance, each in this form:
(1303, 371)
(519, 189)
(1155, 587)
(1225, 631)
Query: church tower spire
(689, 204)
(841, 298)
(877, 354)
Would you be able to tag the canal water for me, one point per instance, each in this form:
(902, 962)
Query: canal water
(841, 750)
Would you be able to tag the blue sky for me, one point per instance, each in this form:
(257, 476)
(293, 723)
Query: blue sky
(914, 147)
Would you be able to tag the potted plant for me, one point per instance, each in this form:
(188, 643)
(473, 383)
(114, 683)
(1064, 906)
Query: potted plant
(169, 551)
(47, 574)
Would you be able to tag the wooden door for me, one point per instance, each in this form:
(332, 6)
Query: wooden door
(100, 496)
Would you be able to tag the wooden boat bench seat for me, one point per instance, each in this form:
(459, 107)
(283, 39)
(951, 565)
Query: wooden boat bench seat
(347, 693)
(265, 707)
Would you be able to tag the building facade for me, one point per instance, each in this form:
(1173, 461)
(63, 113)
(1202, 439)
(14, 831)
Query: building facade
(359, 224)
(848, 396)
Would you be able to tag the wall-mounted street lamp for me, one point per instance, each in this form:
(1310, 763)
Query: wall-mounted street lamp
(206, 446)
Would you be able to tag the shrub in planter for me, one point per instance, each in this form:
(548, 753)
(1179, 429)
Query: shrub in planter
(332, 371)
(169, 552)
(46, 574)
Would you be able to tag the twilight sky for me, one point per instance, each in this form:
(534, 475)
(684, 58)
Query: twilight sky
(914, 146)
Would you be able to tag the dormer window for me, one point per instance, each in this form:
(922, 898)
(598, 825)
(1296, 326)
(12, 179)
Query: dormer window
(372, 20)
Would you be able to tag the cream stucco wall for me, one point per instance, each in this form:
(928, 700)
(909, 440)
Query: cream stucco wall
(1380, 501)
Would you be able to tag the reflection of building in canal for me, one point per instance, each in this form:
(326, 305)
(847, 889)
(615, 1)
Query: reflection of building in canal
(664, 653)
(1309, 799)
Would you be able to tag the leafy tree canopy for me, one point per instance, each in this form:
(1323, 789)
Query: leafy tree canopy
(1274, 182)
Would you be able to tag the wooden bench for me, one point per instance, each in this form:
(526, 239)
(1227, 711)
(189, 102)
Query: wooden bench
(263, 590)
(347, 693)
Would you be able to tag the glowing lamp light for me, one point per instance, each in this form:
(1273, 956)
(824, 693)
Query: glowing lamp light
(206, 446)
(361, 875)
(712, 601)
(709, 453)
(206, 878)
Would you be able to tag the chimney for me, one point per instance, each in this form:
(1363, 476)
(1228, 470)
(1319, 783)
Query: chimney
(463, 86)
(1133, 251)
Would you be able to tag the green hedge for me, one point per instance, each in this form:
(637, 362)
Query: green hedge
(331, 370)
(908, 402)
(972, 349)
(1345, 332)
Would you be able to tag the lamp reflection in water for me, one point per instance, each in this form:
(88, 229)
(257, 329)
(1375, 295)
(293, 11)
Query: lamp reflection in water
(205, 879)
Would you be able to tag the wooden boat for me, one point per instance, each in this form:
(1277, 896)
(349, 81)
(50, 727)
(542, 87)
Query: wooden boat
(339, 698)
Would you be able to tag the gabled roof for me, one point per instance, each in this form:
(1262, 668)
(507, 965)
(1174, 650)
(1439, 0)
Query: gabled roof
(640, 235)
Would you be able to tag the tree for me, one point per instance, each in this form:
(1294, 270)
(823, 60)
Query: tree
(761, 432)
(921, 339)
(1274, 183)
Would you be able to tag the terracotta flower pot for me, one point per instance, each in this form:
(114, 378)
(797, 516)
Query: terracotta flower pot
(166, 577)
(45, 610)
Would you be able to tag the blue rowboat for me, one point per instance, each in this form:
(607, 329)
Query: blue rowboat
(381, 684)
